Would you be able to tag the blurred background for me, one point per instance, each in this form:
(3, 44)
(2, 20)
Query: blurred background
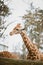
(27, 12)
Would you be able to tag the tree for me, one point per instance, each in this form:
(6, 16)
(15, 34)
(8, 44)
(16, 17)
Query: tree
(4, 11)
(34, 25)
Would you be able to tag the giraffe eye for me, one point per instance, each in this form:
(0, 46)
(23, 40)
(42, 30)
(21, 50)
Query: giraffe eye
(16, 29)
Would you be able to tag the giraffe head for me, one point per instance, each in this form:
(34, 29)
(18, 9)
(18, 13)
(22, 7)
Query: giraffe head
(16, 30)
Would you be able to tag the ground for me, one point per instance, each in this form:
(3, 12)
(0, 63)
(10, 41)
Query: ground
(6, 61)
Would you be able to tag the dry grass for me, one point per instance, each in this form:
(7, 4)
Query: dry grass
(6, 61)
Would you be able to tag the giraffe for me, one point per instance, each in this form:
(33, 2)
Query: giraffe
(34, 53)
(7, 54)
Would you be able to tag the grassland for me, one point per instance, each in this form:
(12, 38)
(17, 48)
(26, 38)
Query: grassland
(6, 61)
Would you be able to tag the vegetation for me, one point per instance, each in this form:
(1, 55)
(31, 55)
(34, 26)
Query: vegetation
(4, 11)
(34, 25)
(9, 61)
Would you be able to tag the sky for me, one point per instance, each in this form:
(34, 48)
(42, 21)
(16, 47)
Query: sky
(17, 8)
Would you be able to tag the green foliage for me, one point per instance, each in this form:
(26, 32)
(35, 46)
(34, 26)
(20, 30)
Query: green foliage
(34, 25)
(4, 10)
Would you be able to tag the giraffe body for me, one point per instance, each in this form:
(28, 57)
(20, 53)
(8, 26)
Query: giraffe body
(7, 54)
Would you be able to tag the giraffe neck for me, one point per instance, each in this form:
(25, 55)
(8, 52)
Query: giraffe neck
(29, 45)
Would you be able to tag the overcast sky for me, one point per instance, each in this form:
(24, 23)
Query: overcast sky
(18, 8)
